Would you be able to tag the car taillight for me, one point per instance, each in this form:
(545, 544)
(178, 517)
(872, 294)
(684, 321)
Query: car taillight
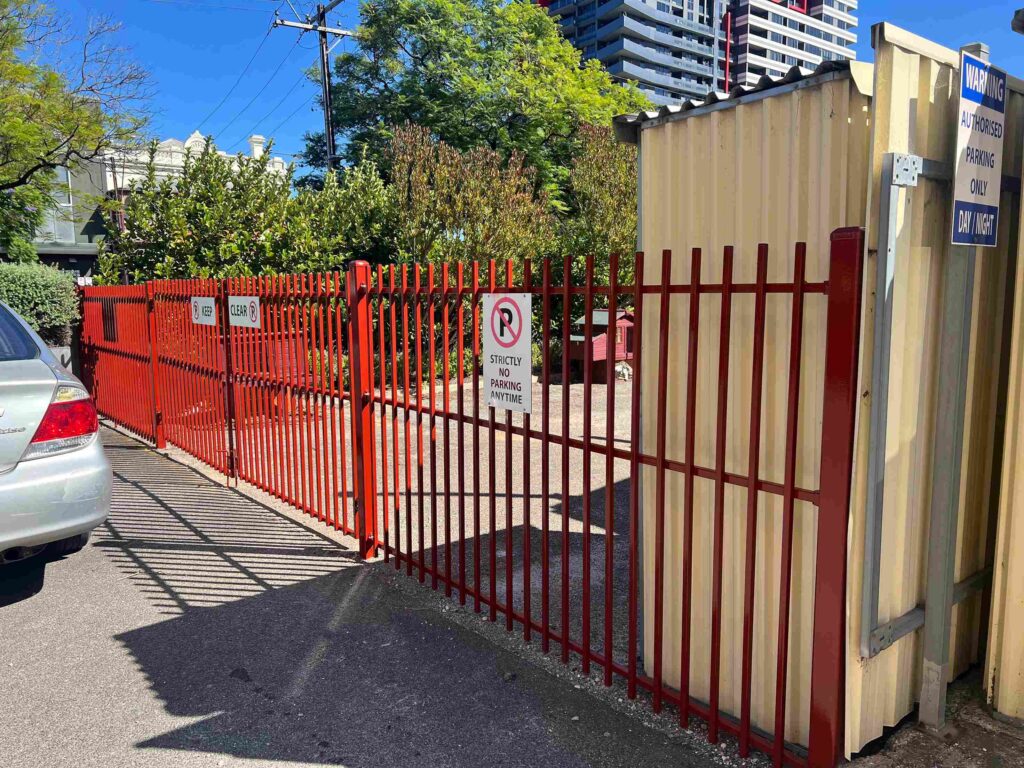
(69, 423)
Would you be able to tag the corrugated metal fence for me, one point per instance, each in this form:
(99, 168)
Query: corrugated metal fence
(357, 399)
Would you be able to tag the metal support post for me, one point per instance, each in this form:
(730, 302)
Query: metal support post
(158, 417)
(364, 460)
(951, 406)
(897, 171)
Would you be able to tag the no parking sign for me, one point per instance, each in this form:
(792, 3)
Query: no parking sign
(507, 347)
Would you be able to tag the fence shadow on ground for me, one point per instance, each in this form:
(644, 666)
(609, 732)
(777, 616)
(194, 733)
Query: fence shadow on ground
(286, 649)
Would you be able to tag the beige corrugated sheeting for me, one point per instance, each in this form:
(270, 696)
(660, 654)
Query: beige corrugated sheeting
(794, 166)
(782, 169)
(915, 107)
(1004, 668)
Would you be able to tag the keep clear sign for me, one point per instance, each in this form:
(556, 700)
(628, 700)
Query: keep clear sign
(979, 152)
(508, 342)
(204, 310)
(244, 311)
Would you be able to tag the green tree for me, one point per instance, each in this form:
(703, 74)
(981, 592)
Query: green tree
(231, 216)
(602, 214)
(477, 73)
(64, 99)
(21, 213)
(222, 216)
(457, 206)
(352, 215)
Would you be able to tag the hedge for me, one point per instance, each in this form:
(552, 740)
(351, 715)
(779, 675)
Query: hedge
(44, 296)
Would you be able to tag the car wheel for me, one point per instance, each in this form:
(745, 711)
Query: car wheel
(70, 545)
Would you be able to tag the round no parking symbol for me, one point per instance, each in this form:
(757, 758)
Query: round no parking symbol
(507, 359)
(506, 322)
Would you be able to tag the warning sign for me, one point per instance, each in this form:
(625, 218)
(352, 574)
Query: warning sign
(204, 310)
(979, 152)
(508, 342)
(244, 311)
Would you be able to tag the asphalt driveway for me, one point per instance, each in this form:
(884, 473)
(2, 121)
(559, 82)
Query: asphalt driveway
(201, 628)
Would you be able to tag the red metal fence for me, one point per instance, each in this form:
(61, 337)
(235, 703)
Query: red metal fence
(357, 399)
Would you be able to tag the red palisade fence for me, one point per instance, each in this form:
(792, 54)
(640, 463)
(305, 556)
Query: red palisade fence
(358, 399)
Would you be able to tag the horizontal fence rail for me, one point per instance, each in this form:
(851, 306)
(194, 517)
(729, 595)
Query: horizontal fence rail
(358, 398)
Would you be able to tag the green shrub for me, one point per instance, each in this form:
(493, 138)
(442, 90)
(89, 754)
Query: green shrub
(44, 296)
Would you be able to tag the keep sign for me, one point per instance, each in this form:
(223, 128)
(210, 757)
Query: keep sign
(508, 342)
(979, 152)
(204, 310)
(244, 311)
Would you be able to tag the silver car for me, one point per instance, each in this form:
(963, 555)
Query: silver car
(54, 476)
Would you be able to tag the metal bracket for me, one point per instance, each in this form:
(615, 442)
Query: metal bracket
(886, 634)
(906, 169)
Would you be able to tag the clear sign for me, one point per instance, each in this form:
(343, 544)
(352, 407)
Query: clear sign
(981, 120)
(507, 348)
(204, 310)
(244, 311)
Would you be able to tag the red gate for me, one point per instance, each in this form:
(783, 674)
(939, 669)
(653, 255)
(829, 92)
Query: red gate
(358, 400)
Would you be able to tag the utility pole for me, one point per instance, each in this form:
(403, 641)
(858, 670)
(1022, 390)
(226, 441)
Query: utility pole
(325, 85)
(318, 24)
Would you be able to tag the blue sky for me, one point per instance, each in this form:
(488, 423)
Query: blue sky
(196, 50)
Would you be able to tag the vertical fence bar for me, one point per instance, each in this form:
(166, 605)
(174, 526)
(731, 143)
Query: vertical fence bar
(154, 388)
(475, 308)
(753, 470)
(842, 331)
(420, 519)
(634, 474)
(231, 468)
(692, 352)
(566, 321)
(393, 317)
(788, 498)
(382, 363)
(319, 405)
(432, 424)
(509, 587)
(659, 482)
(527, 523)
(588, 399)
(363, 449)
(545, 456)
(408, 417)
(445, 410)
(460, 322)
(611, 353)
(492, 520)
(719, 521)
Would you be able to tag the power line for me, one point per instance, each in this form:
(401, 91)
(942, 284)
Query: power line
(277, 127)
(262, 89)
(287, 94)
(237, 80)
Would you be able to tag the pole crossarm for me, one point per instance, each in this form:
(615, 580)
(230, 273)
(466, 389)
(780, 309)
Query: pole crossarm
(309, 27)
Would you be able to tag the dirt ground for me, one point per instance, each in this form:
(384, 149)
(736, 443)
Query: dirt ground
(975, 739)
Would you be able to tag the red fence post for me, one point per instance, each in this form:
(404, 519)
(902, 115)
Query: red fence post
(828, 655)
(364, 463)
(158, 416)
(221, 294)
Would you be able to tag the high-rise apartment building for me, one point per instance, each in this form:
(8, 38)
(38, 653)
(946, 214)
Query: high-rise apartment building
(681, 49)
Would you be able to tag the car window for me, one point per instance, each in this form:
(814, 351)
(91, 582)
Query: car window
(15, 343)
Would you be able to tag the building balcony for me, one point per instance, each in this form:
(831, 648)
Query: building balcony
(641, 31)
(629, 71)
(624, 48)
(637, 8)
(562, 6)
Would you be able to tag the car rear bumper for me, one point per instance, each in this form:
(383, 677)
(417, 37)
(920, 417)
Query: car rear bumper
(49, 499)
